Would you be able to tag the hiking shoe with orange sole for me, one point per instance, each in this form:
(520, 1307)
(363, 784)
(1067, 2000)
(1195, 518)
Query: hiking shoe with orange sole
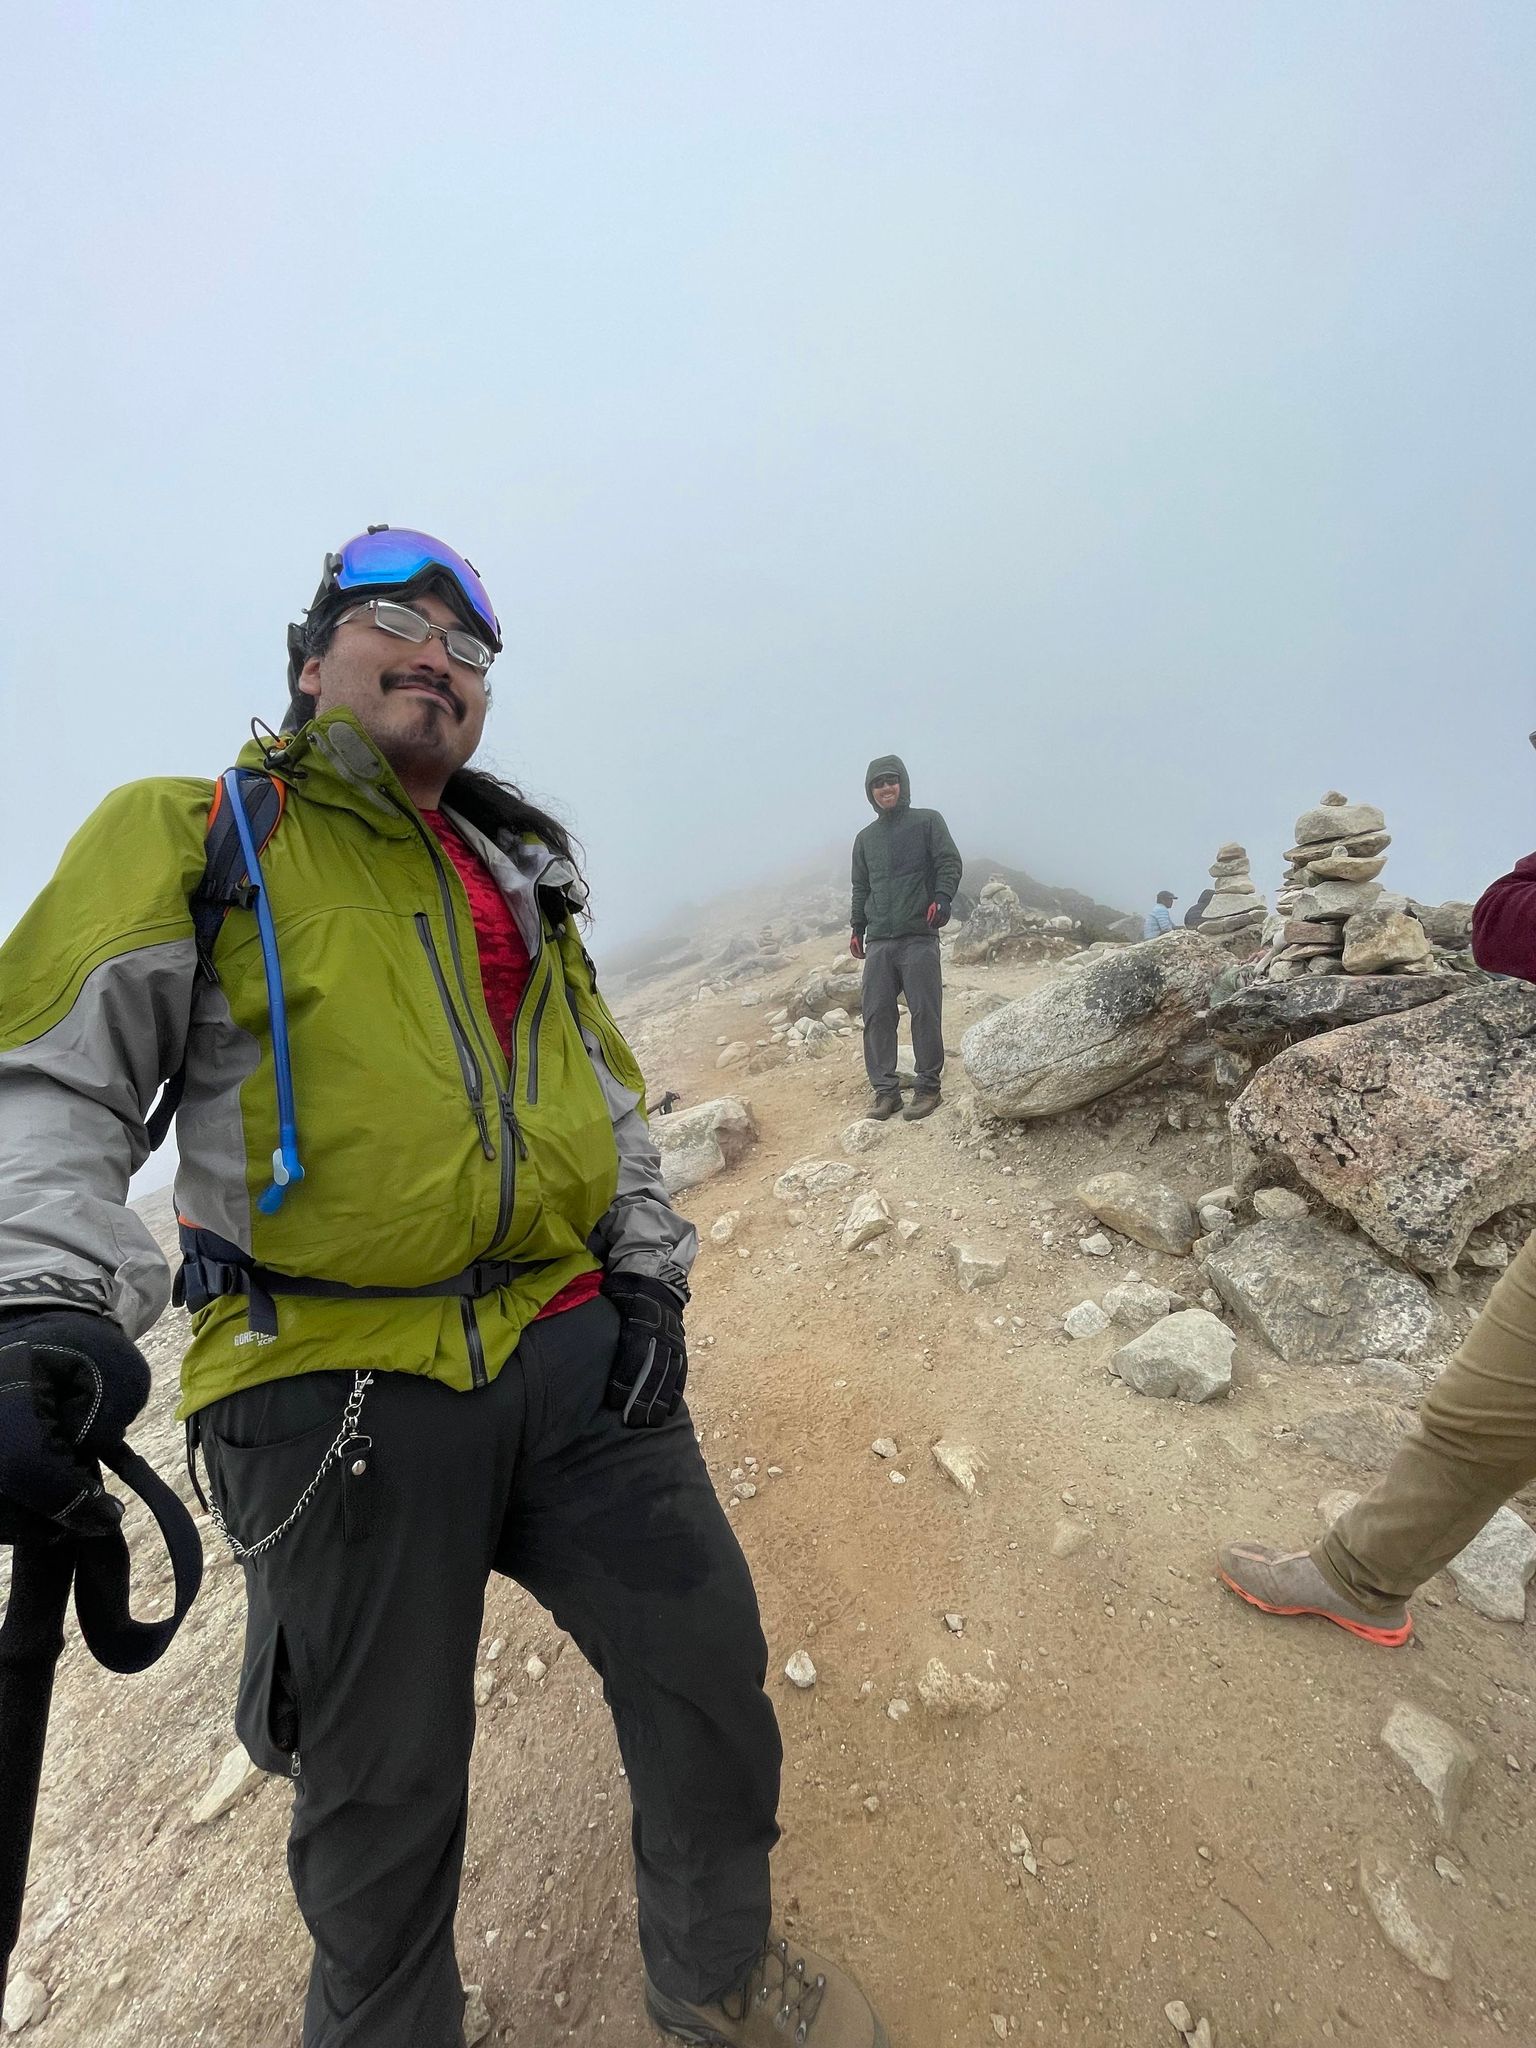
(1288, 1582)
(791, 1995)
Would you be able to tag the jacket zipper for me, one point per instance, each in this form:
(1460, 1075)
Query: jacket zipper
(472, 1341)
(469, 1066)
(533, 1039)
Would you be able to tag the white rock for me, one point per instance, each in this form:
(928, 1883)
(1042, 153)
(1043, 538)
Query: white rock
(1385, 1886)
(1438, 1757)
(908, 1228)
(536, 1667)
(723, 1229)
(1146, 1210)
(477, 2019)
(885, 1447)
(1281, 1205)
(485, 1685)
(1186, 1357)
(26, 2002)
(800, 1671)
(869, 1218)
(1137, 1304)
(975, 1268)
(1097, 1246)
(945, 1692)
(1496, 1566)
(898, 1710)
(1086, 1320)
(696, 1144)
(864, 1135)
(810, 1177)
(961, 1462)
(734, 1054)
(237, 1776)
(1021, 1849)
(836, 1020)
(955, 1623)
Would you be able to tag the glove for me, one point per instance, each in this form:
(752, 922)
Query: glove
(856, 945)
(70, 1385)
(938, 913)
(650, 1367)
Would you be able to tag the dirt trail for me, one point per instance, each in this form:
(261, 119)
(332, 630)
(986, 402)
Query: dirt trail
(1197, 1783)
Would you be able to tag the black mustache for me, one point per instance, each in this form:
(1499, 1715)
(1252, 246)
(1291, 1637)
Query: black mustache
(399, 678)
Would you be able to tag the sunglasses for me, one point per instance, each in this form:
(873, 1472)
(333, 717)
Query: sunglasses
(886, 782)
(405, 624)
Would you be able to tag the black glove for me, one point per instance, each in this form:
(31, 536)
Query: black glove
(650, 1367)
(70, 1384)
(938, 913)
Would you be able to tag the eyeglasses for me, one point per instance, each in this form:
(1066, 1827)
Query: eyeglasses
(886, 782)
(405, 624)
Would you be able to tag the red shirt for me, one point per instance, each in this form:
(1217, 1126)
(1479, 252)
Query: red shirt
(1504, 923)
(504, 971)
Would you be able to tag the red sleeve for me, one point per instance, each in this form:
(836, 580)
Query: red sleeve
(1504, 923)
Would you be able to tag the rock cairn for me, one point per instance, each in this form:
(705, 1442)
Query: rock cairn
(1332, 914)
(1236, 911)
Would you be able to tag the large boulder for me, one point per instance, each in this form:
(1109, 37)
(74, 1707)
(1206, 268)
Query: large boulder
(1420, 1125)
(1378, 940)
(1000, 927)
(696, 1144)
(825, 988)
(1154, 1215)
(1316, 1296)
(1089, 1032)
(1270, 1013)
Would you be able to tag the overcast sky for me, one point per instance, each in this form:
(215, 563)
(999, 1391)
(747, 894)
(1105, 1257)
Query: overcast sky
(1121, 408)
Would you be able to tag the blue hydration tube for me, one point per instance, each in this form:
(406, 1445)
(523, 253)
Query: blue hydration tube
(285, 1160)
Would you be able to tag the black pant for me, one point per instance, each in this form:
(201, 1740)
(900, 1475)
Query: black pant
(908, 967)
(362, 1631)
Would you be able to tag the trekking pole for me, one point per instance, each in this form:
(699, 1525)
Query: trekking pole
(31, 1642)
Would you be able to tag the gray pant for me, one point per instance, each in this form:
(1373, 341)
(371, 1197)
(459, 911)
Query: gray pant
(908, 967)
(361, 1640)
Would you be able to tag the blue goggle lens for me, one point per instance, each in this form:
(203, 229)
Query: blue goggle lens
(395, 554)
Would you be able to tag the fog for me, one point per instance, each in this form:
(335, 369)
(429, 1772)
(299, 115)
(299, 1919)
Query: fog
(1123, 412)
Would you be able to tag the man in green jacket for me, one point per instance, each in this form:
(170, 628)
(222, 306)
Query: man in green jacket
(906, 870)
(437, 1292)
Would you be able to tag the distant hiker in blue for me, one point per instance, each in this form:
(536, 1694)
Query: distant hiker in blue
(1159, 918)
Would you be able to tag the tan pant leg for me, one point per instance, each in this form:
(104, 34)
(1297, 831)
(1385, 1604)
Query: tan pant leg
(1475, 1445)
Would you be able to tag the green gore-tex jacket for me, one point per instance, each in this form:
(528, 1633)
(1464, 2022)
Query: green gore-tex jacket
(900, 863)
(424, 1148)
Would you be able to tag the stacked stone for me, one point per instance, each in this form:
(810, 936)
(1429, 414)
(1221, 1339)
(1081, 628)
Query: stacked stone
(1333, 916)
(1236, 911)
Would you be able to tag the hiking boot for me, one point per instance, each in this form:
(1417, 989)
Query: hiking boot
(1288, 1582)
(884, 1106)
(923, 1103)
(791, 1995)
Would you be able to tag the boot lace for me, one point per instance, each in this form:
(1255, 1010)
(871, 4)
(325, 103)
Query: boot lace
(777, 1980)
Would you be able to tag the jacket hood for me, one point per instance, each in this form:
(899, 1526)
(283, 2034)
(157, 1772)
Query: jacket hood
(888, 764)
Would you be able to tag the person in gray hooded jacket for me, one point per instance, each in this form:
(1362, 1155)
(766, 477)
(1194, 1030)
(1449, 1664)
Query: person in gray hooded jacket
(906, 870)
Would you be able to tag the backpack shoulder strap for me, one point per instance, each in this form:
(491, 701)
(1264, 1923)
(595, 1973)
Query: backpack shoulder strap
(225, 885)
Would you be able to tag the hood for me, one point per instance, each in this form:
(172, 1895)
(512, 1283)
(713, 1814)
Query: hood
(888, 764)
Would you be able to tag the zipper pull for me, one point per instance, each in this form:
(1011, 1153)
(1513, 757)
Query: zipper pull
(293, 1768)
(512, 1124)
(484, 1129)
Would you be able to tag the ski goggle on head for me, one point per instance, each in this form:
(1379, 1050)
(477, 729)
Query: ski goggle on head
(391, 557)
